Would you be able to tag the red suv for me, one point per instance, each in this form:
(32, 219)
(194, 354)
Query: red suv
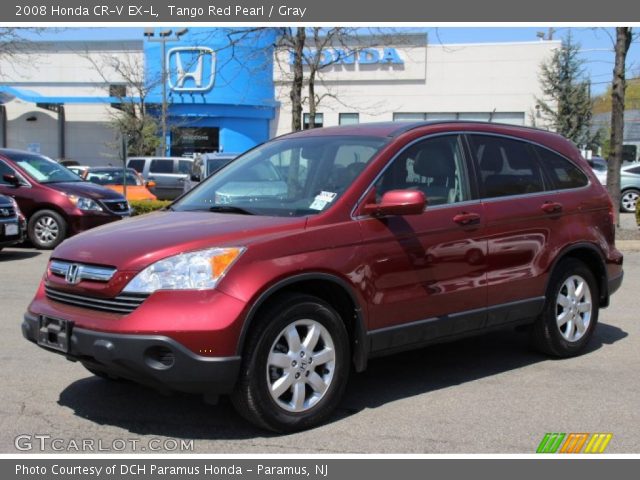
(56, 202)
(318, 250)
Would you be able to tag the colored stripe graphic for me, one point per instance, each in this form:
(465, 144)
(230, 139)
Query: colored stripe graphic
(598, 442)
(550, 443)
(574, 443)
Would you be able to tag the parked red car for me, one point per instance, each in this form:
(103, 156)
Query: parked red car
(56, 202)
(318, 250)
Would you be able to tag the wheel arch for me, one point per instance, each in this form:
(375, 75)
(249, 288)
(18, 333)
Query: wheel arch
(593, 258)
(330, 288)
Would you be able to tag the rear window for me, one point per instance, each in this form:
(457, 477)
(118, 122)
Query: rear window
(562, 172)
(136, 164)
(161, 166)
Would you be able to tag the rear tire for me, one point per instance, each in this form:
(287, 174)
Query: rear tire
(46, 229)
(295, 366)
(570, 313)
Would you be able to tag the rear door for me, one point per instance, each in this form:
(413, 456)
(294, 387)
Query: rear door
(426, 273)
(523, 216)
(163, 171)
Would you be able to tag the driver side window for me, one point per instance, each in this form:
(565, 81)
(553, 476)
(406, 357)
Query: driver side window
(434, 166)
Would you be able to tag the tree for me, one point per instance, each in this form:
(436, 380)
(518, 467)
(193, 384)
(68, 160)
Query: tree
(130, 117)
(305, 54)
(622, 44)
(566, 105)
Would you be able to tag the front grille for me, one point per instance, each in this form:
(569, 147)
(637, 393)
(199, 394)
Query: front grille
(7, 211)
(120, 304)
(117, 206)
(79, 271)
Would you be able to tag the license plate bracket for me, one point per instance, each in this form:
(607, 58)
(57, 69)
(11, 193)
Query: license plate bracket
(54, 333)
(11, 229)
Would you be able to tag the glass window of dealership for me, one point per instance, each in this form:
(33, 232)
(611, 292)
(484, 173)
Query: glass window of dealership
(55, 98)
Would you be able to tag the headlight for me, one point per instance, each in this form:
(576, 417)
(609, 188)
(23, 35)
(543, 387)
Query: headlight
(198, 270)
(85, 204)
(15, 205)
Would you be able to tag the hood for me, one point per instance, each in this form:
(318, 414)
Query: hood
(133, 244)
(85, 189)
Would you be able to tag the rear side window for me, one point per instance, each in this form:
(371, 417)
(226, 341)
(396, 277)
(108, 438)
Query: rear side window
(634, 170)
(562, 172)
(184, 166)
(137, 164)
(507, 167)
(161, 166)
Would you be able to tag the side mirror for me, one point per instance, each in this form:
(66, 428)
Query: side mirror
(11, 179)
(195, 177)
(150, 184)
(398, 202)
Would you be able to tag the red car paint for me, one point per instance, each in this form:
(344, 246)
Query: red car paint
(494, 254)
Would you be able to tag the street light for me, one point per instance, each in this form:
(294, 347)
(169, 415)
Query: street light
(165, 36)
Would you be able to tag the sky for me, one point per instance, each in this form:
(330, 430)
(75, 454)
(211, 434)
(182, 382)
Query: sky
(596, 43)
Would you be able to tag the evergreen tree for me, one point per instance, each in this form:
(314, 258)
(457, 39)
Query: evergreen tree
(567, 104)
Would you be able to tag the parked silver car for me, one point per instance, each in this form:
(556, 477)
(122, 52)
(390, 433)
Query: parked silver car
(629, 182)
(168, 173)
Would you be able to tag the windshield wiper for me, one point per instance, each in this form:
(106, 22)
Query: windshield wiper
(230, 209)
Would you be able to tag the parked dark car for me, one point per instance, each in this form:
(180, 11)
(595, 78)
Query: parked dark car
(387, 237)
(12, 222)
(56, 202)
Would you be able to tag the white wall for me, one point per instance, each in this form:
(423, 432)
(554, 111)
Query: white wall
(66, 69)
(455, 78)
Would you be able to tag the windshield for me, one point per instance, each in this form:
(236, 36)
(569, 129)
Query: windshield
(112, 177)
(43, 169)
(287, 177)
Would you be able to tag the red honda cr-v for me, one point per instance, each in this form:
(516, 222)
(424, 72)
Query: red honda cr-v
(318, 250)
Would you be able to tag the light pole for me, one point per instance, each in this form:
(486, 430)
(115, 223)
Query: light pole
(164, 37)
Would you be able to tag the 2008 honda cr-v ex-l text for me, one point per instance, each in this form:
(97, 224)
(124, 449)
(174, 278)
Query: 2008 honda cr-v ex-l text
(308, 255)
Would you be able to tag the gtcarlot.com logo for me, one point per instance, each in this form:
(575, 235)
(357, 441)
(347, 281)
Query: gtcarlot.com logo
(574, 443)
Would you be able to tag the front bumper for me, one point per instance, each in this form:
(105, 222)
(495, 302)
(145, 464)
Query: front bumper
(154, 360)
(13, 239)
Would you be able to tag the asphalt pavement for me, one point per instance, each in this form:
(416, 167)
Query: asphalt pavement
(489, 394)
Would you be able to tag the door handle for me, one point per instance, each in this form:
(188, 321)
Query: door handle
(465, 218)
(551, 207)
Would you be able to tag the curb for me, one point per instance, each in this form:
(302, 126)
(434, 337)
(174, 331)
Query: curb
(628, 245)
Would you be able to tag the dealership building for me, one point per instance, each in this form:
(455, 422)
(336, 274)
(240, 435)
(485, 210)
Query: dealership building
(226, 92)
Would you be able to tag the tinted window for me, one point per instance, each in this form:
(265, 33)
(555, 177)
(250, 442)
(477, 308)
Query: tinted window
(507, 167)
(562, 172)
(635, 170)
(161, 166)
(184, 166)
(136, 164)
(434, 166)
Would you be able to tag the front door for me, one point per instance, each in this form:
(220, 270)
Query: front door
(426, 273)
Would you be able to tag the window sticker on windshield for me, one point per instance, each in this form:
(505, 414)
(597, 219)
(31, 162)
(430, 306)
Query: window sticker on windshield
(322, 199)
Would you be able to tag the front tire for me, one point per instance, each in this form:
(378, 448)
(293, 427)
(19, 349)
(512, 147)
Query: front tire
(570, 313)
(46, 229)
(295, 367)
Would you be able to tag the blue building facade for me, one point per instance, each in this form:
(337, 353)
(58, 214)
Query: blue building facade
(219, 87)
